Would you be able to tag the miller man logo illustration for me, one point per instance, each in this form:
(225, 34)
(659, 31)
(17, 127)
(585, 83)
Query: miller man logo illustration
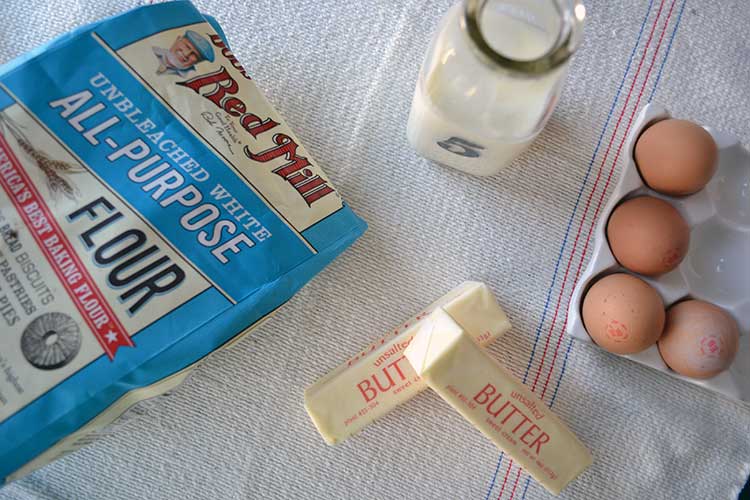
(186, 51)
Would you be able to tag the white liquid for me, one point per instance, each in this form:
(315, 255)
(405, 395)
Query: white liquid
(448, 143)
(515, 32)
(473, 116)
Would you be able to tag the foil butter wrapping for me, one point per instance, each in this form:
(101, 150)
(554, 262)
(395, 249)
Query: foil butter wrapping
(153, 208)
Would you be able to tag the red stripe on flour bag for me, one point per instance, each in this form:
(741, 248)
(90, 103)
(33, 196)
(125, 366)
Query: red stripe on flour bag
(53, 243)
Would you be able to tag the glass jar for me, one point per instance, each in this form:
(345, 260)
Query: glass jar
(490, 80)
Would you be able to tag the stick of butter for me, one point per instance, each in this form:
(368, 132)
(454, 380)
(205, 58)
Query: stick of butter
(378, 379)
(489, 397)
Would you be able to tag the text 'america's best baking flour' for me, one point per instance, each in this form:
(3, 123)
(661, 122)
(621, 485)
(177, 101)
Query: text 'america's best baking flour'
(153, 207)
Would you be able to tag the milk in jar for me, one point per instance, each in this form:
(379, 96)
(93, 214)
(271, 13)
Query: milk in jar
(490, 80)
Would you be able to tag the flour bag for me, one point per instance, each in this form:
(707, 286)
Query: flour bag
(153, 208)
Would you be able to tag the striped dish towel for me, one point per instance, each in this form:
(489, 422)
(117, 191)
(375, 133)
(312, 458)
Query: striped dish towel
(342, 73)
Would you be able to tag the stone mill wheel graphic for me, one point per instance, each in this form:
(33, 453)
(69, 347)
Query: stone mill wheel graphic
(51, 341)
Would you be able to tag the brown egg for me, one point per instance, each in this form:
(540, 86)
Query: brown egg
(700, 340)
(676, 157)
(623, 314)
(648, 235)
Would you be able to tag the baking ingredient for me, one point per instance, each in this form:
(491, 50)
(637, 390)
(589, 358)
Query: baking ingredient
(648, 235)
(378, 379)
(676, 157)
(135, 237)
(470, 112)
(700, 339)
(497, 404)
(623, 314)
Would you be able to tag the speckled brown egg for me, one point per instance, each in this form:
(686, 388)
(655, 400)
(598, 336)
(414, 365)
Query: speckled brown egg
(700, 340)
(676, 157)
(648, 235)
(623, 314)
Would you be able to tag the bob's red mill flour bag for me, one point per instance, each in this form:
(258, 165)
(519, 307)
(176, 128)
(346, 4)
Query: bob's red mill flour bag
(153, 207)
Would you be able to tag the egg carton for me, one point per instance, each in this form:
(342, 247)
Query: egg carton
(717, 266)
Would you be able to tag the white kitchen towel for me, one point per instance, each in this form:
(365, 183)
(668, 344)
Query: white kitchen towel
(342, 73)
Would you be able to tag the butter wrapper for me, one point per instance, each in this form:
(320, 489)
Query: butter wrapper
(448, 359)
(379, 378)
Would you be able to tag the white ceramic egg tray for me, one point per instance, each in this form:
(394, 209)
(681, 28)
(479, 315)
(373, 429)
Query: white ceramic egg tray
(717, 266)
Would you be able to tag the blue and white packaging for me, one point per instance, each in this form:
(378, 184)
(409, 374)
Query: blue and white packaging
(153, 208)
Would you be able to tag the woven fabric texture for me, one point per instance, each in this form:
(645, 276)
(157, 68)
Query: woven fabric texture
(342, 73)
